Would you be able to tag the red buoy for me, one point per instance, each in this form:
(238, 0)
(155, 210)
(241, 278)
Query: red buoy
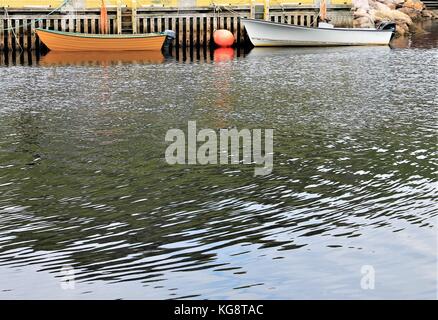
(223, 38)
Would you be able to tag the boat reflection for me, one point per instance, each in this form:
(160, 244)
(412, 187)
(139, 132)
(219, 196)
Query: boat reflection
(58, 58)
(282, 51)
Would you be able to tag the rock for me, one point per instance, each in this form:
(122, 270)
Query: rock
(414, 4)
(364, 4)
(399, 16)
(391, 15)
(427, 14)
(400, 31)
(379, 6)
(402, 12)
(415, 28)
(363, 22)
(412, 13)
(360, 13)
(356, 24)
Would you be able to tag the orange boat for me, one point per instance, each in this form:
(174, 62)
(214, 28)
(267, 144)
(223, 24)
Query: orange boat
(71, 41)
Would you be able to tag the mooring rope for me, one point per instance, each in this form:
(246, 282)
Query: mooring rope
(17, 41)
(39, 19)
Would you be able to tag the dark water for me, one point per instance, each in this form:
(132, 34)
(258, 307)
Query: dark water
(83, 182)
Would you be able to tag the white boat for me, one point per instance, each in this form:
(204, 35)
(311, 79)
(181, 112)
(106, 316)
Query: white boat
(273, 34)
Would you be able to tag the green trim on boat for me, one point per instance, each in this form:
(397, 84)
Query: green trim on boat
(104, 36)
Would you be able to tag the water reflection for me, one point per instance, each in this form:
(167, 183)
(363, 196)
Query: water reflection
(83, 182)
(262, 52)
(426, 36)
(223, 54)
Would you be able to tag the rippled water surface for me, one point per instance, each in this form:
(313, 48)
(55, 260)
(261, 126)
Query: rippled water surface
(84, 184)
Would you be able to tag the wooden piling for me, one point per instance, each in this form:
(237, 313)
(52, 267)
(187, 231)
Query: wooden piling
(2, 34)
(266, 10)
(119, 17)
(134, 16)
(192, 27)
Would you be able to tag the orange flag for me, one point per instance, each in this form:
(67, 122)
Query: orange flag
(323, 10)
(103, 19)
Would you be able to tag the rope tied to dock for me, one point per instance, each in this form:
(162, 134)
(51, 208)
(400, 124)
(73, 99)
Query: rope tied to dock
(17, 41)
(39, 19)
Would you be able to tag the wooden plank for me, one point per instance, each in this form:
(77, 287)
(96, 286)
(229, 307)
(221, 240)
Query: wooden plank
(195, 31)
(235, 27)
(93, 25)
(71, 25)
(29, 35)
(119, 17)
(174, 26)
(134, 18)
(153, 24)
(77, 25)
(242, 32)
(187, 31)
(188, 19)
(17, 34)
(114, 31)
(180, 31)
(166, 23)
(25, 34)
(33, 36)
(208, 30)
(201, 30)
(2, 35)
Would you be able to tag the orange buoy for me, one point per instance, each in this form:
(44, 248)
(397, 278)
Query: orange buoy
(223, 38)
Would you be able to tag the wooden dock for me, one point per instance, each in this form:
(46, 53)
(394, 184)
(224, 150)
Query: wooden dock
(193, 26)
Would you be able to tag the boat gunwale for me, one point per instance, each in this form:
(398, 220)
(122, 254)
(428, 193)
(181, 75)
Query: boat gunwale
(103, 36)
(310, 28)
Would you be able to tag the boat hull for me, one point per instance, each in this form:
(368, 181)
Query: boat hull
(69, 41)
(273, 34)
